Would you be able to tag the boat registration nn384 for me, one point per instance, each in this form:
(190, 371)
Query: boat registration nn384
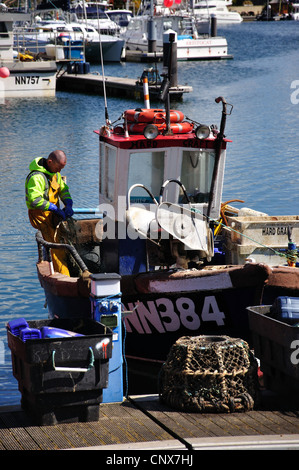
(166, 315)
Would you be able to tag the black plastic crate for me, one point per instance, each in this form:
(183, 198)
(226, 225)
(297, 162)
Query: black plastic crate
(66, 407)
(57, 376)
(276, 344)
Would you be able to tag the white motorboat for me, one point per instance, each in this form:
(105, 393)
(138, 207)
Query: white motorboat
(93, 14)
(61, 39)
(194, 41)
(205, 8)
(21, 75)
(295, 11)
(120, 17)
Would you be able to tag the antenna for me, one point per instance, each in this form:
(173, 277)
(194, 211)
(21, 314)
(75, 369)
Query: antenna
(164, 92)
(103, 74)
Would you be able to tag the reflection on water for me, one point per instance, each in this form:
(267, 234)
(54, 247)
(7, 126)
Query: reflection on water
(261, 166)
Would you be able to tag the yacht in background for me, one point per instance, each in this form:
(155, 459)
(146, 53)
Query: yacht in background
(120, 17)
(194, 41)
(205, 8)
(94, 14)
(60, 39)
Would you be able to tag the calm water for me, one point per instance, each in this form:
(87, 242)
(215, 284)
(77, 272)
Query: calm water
(262, 162)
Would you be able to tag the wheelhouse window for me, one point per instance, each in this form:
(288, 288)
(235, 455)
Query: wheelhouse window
(3, 30)
(107, 171)
(197, 172)
(146, 168)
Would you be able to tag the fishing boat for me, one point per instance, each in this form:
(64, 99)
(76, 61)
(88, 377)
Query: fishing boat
(157, 228)
(22, 74)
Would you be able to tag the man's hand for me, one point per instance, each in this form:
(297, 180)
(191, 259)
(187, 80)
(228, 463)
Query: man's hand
(54, 208)
(68, 208)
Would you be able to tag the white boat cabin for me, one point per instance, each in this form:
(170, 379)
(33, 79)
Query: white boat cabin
(164, 186)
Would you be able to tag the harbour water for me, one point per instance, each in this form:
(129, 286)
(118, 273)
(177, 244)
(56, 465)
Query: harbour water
(262, 168)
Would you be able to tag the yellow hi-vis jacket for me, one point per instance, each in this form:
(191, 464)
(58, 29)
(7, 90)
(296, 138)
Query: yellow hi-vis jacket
(37, 187)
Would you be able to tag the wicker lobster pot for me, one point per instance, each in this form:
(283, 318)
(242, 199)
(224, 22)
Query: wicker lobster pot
(209, 374)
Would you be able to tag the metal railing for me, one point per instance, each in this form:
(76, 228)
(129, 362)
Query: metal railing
(30, 45)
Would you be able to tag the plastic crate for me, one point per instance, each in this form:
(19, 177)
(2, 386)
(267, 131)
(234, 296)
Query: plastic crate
(276, 344)
(73, 49)
(252, 235)
(62, 376)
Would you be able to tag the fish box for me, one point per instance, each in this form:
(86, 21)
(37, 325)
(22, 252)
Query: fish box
(259, 237)
(62, 378)
(276, 345)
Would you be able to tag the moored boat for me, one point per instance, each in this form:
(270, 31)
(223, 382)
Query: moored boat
(194, 38)
(67, 39)
(219, 9)
(21, 74)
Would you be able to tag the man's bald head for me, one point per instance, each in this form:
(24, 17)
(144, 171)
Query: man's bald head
(56, 161)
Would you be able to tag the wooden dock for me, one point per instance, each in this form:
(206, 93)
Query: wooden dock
(143, 423)
(115, 86)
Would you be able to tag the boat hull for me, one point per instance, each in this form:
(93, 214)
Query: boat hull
(161, 307)
(112, 48)
(164, 306)
(31, 79)
(190, 49)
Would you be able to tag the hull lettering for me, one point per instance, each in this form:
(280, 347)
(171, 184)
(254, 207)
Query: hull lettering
(166, 315)
(26, 80)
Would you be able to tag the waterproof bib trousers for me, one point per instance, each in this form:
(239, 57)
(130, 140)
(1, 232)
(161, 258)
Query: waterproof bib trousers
(45, 221)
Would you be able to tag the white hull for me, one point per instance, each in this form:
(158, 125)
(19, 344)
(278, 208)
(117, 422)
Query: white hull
(112, 48)
(217, 8)
(189, 49)
(222, 19)
(191, 45)
(29, 79)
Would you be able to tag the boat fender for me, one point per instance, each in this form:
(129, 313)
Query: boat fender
(177, 128)
(4, 72)
(154, 116)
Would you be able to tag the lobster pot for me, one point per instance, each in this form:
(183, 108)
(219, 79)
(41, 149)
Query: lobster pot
(209, 374)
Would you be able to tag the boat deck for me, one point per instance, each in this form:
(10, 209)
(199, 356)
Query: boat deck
(144, 423)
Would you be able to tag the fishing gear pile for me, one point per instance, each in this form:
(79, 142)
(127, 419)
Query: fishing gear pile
(209, 374)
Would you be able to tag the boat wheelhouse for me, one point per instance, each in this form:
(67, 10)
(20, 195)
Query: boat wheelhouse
(167, 163)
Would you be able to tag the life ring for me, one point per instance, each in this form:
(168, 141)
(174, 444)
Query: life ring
(154, 116)
(177, 128)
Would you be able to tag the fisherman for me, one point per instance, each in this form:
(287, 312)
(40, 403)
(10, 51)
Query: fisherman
(44, 187)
